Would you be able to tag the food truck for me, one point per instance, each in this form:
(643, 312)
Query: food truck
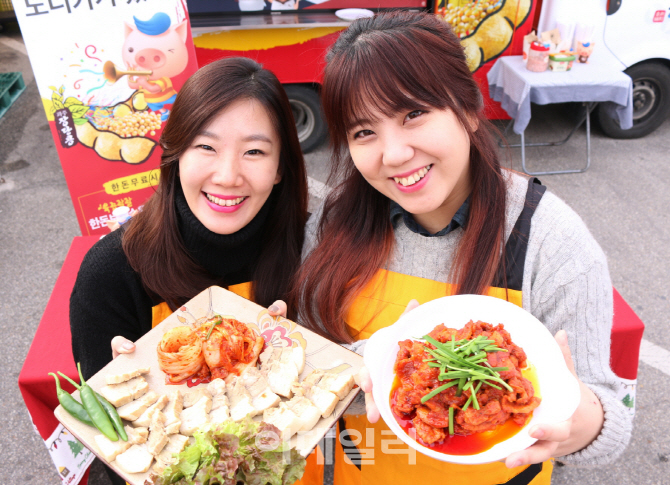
(291, 37)
(106, 126)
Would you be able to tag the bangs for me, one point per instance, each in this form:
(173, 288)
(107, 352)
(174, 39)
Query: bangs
(385, 73)
(369, 97)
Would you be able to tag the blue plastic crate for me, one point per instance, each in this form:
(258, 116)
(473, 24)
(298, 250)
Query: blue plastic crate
(11, 86)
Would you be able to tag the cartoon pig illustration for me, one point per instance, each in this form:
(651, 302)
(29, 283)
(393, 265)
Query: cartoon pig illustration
(153, 45)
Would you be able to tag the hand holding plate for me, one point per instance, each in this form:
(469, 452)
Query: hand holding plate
(277, 309)
(121, 345)
(568, 436)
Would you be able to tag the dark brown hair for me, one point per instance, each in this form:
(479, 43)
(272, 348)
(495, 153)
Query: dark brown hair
(392, 62)
(152, 242)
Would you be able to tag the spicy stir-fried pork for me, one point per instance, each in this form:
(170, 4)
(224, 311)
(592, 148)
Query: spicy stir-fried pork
(496, 406)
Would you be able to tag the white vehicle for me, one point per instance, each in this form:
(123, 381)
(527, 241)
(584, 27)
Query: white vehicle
(635, 36)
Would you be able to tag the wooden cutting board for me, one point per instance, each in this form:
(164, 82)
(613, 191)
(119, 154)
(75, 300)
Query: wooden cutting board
(320, 352)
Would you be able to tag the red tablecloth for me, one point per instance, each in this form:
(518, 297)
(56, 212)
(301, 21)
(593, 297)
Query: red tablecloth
(627, 330)
(51, 349)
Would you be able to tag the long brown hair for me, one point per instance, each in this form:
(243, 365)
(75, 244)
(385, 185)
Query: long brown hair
(152, 242)
(392, 62)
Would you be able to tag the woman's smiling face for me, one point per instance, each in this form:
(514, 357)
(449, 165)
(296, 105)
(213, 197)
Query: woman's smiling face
(229, 170)
(420, 159)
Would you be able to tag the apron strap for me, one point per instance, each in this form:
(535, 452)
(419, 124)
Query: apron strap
(510, 272)
(526, 476)
(348, 446)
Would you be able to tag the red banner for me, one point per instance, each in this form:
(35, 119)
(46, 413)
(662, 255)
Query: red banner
(108, 73)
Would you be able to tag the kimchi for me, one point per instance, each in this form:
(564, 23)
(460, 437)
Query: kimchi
(217, 348)
(180, 355)
(228, 346)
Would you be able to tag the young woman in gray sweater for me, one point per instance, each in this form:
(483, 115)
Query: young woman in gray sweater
(424, 209)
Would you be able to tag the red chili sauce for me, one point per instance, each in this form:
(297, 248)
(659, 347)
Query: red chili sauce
(465, 445)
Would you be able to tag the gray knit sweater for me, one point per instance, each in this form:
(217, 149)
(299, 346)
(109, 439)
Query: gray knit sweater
(566, 285)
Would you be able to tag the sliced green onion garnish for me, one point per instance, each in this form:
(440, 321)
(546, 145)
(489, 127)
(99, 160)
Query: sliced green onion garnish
(437, 390)
(462, 363)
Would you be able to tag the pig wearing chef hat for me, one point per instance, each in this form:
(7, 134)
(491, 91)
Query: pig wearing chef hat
(154, 45)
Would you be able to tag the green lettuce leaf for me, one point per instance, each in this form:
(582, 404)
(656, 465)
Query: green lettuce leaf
(249, 452)
(295, 469)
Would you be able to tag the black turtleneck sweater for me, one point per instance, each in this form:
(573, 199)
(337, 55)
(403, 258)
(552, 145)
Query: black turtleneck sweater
(109, 299)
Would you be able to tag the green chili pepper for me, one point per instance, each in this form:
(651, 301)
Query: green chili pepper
(112, 414)
(71, 405)
(95, 410)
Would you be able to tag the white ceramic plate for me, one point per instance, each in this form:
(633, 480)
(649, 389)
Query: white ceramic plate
(558, 387)
(351, 14)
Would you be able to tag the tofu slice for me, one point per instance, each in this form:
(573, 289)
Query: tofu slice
(220, 412)
(251, 376)
(192, 397)
(265, 400)
(196, 416)
(173, 411)
(266, 355)
(313, 378)
(134, 409)
(219, 401)
(158, 438)
(219, 415)
(284, 419)
(135, 459)
(110, 449)
(126, 376)
(262, 396)
(281, 377)
(295, 356)
(338, 384)
(217, 388)
(298, 358)
(300, 389)
(308, 414)
(241, 403)
(137, 436)
(120, 394)
(169, 454)
(145, 418)
(322, 399)
(160, 466)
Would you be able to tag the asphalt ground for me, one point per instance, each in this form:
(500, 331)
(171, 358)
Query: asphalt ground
(623, 198)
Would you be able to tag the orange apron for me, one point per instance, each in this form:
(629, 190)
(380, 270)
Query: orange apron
(313, 472)
(369, 453)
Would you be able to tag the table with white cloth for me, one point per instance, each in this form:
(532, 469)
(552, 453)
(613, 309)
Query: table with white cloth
(597, 81)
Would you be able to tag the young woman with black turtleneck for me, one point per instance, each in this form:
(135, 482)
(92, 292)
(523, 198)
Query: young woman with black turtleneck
(229, 210)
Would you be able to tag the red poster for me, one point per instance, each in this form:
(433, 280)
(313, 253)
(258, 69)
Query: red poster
(108, 72)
